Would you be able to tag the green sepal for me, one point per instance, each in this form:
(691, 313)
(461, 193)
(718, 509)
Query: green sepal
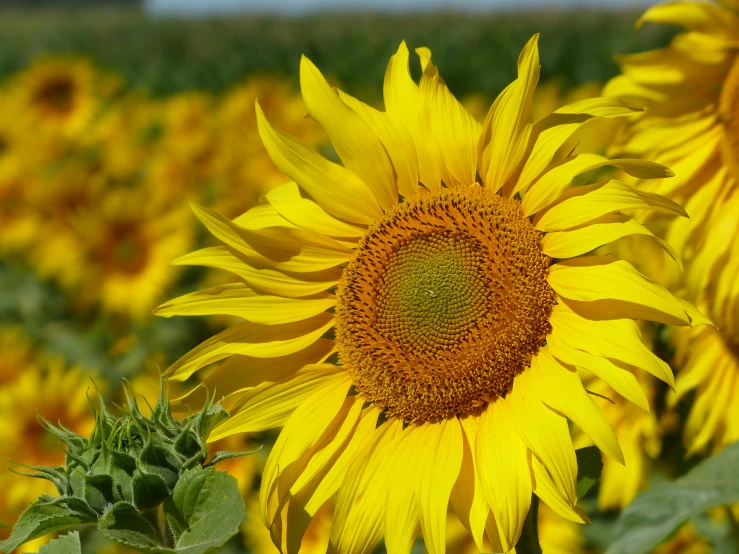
(47, 516)
(223, 455)
(56, 474)
(149, 491)
(123, 523)
(98, 491)
(73, 441)
(156, 459)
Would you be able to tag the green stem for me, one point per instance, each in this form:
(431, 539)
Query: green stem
(528, 543)
(734, 526)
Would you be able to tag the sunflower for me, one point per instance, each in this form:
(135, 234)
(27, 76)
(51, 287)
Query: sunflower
(17, 354)
(57, 394)
(691, 123)
(61, 95)
(125, 245)
(413, 317)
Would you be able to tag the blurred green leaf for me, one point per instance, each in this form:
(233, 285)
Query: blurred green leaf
(589, 467)
(66, 544)
(657, 513)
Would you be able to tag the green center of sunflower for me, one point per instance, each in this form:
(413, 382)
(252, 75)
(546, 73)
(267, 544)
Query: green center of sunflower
(444, 304)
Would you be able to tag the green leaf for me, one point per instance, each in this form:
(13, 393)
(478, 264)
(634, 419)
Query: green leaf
(125, 524)
(205, 510)
(47, 516)
(589, 466)
(66, 544)
(657, 513)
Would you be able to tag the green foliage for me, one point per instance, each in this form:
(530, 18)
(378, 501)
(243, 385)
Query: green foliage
(126, 470)
(589, 467)
(67, 544)
(476, 52)
(659, 512)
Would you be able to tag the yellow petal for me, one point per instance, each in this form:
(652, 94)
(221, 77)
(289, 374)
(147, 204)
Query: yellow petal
(401, 506)
(695, 315)
(301, 432)
(240, 300)
(239, 373)
(468, 499)
(618, 339)
(505, 134)
(439, 455)
(396, 139)
(618, 290)
(360, 507)
(546, 490)
(545, 433)
(561, 389)
(285, 248)
(326, 484)
(449, 124)
(568, 244)
(401, 104)
(307, 214)
(502, 462)
(551, 185)
(619, 379)
(251, 339)
(267, 280)
(270, 404)
(336, 189)
(695, 16)
(556, 129)
(326, 449)
(611, 197)
(355, 143)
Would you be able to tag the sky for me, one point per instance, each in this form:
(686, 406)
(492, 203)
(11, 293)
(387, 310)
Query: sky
(297, 7)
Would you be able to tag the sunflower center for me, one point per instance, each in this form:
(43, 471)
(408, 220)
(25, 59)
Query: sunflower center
(729, 114)
(444, 304)
(56, 95)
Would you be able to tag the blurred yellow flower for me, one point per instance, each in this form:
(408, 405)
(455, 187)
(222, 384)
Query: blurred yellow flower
(58, 394)
(119, 251)
(16, 355)
(691, 123)
(60, 95)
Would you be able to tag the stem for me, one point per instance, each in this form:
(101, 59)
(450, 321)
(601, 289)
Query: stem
(528, 543)
(734, 526)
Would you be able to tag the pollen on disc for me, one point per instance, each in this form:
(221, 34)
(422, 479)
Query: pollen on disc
(444, 304)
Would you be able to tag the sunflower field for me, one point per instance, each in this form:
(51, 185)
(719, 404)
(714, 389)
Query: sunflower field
(455, 283)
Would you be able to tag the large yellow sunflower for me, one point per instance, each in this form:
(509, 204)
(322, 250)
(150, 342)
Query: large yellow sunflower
(413, 317)
(691, 123)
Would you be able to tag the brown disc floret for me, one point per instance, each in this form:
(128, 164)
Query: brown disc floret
(444, 304)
